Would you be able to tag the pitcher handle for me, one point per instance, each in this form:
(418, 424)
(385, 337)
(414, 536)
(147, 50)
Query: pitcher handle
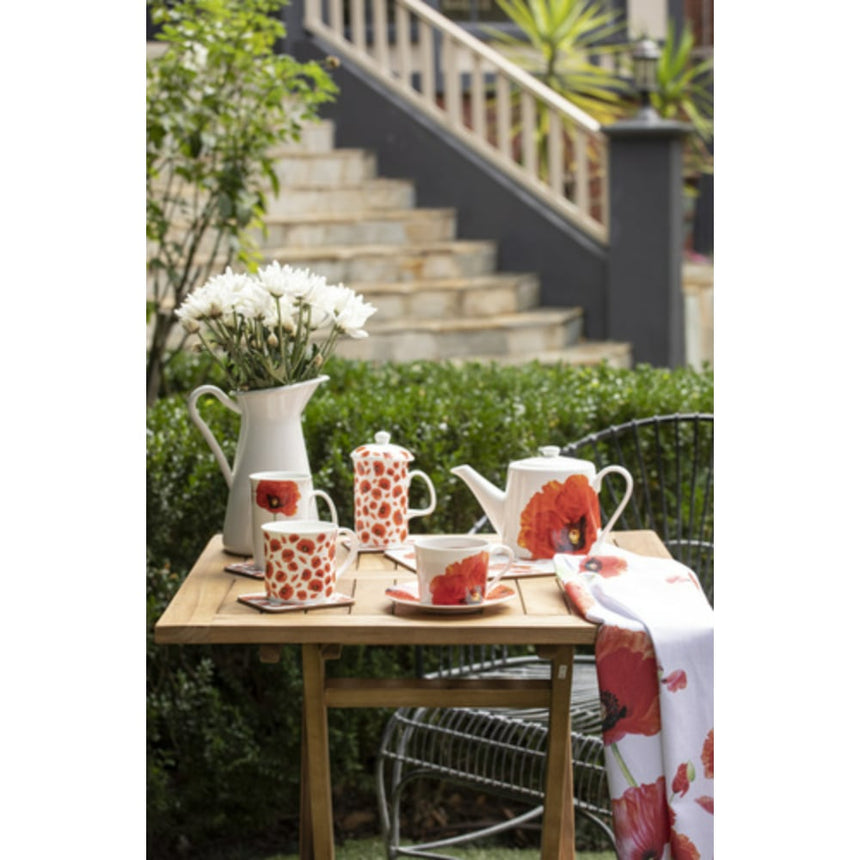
(412, 512)
(322, 494)
(595, 550)
(204, 428)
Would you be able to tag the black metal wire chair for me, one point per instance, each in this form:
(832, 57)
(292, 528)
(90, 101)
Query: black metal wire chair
(502, 751)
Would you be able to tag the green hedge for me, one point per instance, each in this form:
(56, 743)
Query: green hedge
(223, 729)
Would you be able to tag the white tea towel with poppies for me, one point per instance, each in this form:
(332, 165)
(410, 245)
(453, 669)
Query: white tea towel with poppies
(655, 669)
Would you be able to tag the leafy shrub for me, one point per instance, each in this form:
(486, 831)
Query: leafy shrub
(224, 733)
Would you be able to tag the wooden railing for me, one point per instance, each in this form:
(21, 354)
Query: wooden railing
(508, 117)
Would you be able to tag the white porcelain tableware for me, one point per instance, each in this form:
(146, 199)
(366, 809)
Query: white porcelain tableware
(301, 560)
(279, 495)
(453, 571)
(550, 504)
(381, 492)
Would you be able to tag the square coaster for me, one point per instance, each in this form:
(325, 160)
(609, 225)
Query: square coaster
(245, 568)
(261, 602)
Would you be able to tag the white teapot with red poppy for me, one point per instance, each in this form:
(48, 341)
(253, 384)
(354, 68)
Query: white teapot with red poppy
(382, 479)
(550, 504)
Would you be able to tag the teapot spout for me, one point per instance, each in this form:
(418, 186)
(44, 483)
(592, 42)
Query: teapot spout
(490, 497)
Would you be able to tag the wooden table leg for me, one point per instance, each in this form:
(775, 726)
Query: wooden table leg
(557, 842)
(316, 805)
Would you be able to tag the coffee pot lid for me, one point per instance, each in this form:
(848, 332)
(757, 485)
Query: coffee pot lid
(382, 447)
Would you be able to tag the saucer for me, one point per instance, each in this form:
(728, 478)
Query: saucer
(261, 602)
(407, 595)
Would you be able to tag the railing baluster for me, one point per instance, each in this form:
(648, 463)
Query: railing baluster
(337, 17)
(428, 78)
(357, 25)
(403, 45)
(580, 149)
(313, 11)
(380, 35)
(479, 108)
(529, 143)
(503, 115)
(555, 153)
(451, 75)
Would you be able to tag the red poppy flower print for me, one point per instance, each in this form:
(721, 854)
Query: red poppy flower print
(681, 782)
(642, 821)
(560, 518)
(708, 755)
(605, 565)
(278, 497)
(627, 670)
(676, 680)
(683, 848)
(707, 803)
(462, 582)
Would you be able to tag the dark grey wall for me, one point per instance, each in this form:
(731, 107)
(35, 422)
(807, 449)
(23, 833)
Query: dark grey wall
(530, 237)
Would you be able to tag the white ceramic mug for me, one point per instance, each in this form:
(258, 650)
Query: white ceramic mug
(277, 496)
(453, 571)
(301, 560)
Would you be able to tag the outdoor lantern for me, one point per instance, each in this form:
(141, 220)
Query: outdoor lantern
(646, 54)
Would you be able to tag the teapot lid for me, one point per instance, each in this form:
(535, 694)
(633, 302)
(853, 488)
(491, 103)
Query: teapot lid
(550, 458)
(382, 447)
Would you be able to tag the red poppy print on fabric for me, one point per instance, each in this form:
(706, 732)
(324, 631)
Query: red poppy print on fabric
(462, 582)
(708, 755)
(560, 517)
(606, 565)
(278, 497)
(681, 782)
(642, 821)
(627, 669)
(676, 680)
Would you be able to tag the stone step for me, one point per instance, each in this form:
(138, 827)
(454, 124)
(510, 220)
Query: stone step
(315, 137)
(332, 169)
(351, 264)
(372, 194)
(451, 298)
(528, 332)
(372, 227)
(584, 352)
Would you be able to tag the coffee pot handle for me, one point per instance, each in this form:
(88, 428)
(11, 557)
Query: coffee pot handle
(204, 428)
(618, 511)
(412, 512)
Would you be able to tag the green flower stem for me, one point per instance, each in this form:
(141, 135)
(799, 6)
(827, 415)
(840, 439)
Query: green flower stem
(624, 769)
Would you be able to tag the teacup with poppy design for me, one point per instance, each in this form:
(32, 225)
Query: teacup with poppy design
(282, 496)
(301, 560)
(454, 571)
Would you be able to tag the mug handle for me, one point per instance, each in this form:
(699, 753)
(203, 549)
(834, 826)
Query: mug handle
(505, 550)
(327, 499)
(411, 512)
(351, 553)
(595, 549)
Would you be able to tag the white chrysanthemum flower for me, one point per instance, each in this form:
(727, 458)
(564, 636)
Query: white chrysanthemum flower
(253, 301)
(352, 313)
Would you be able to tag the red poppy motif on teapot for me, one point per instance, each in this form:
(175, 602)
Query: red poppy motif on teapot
(381, 493)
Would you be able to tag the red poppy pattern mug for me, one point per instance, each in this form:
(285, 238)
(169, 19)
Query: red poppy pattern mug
(382, 480)
(301, 560)
(279, 496)
(452, 571)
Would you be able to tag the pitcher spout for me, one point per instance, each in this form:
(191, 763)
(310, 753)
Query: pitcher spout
(490, 497)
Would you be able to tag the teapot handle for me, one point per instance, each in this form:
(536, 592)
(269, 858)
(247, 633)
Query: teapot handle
(595, 550)
(411, 512)
(204, 429)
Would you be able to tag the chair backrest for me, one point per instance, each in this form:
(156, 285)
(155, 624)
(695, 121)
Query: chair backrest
(671, 459)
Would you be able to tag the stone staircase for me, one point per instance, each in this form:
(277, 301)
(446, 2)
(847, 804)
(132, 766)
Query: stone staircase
(438, 297)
